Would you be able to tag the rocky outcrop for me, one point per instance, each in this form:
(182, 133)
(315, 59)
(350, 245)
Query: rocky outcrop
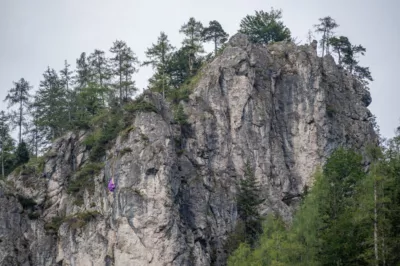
(280, 107)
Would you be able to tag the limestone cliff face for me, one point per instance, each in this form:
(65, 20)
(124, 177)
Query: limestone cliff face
(280, 107)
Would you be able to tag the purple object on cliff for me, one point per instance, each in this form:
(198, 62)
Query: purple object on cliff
(111, 186)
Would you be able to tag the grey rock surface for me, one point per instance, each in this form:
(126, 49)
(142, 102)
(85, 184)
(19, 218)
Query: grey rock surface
(279, 106)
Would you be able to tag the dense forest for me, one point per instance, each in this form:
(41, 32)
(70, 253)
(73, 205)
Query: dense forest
(347, 218)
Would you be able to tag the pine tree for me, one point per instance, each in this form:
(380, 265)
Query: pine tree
(21, 154)
(66, 80)
(342, 172)
(99, 67)
(100, 71)
(178, 69)
(19, 95)
(265, 27)
(390, 239)
(83, 75)
(89, 104)
(193, 41)
(326, 28)
(124, 65)
(33, 134)
(339, 46)
(51, 105)
(347, 54)
(6, 142)
(129, 68)
(248, 200)
(159, 56)
(215, 33)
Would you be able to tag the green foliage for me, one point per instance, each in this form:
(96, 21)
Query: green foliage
(125, 151)
(53, 226)
(51, 106)
(179, 115)
(106, 126)
(248, 200)
(236, 238)
(326, 26)
(186, 88)
(215, 33)
(21, 154)
(19, 95)
(339, 46)
(347, 55)
(193, 42)
(82, 77)
(83, 180)
(265, 27)
(79, 220)
(89, 103)
(7, 146)
(124, 66)
(125, 132)
(241, 256)
(140, 105)
(159, 56)
(35, 166)
(335, 223)
(74, 221)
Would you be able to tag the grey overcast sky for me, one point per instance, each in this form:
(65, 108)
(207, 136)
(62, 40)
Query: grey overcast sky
(35, 34)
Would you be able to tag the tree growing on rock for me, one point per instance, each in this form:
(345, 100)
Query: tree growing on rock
(347, 55)
(265, 27)
(123, 66)
(215, 33)
(51, 106)
(159, 56)
(326, 26)
(100, 70)
(193, 41)
(66, 80)
(19, 95)
(83, 76)
(339, 46)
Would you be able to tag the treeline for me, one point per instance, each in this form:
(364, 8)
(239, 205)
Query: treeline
(99, 88)
(349, 217)
(102, 84)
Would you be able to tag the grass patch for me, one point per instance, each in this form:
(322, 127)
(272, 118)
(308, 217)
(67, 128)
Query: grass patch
(185, 89)
(75, 221)
(125, 151)
(179, 115)
(53, 226)
(106, 127)
(140, 105)
(81, 219)
(33, 167)
(84, 180)
(125, 133)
